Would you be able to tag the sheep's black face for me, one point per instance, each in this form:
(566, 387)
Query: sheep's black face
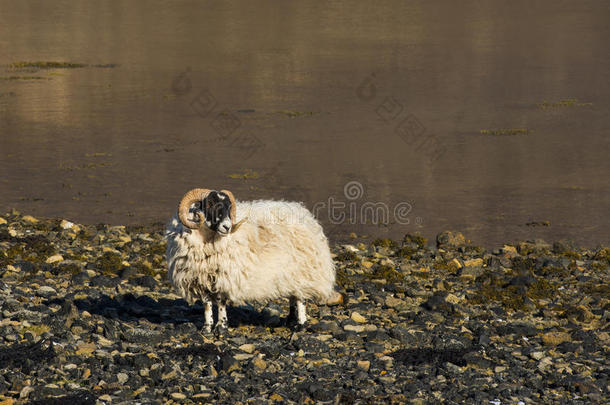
(216, 208)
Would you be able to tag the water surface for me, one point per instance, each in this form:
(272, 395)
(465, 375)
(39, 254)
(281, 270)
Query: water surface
(477, 116)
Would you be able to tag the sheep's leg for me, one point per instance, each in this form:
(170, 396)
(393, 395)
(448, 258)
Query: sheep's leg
(209, 317)
(297, 315)
(301, 313)
(223, 323)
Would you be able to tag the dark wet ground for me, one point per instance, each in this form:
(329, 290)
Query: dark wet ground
(482, 117)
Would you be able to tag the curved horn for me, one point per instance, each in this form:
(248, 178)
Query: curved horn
(196, 194)
(233, 206)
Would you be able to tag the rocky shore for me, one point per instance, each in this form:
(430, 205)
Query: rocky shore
(87, 316)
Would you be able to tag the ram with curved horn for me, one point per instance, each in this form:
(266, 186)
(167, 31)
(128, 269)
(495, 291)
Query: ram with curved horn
(225, 251)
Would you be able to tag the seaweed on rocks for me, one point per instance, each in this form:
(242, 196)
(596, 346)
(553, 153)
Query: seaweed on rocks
(427, 355)
(82, 397)
(26, 356)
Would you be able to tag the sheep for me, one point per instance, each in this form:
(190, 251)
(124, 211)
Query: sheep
(225, 251)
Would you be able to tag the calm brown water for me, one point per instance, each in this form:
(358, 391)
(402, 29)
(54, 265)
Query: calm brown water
(476, 116)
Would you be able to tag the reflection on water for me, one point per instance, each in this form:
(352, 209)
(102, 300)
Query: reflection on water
(465, 120)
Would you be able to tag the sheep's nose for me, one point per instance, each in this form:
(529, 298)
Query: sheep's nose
(226, 227)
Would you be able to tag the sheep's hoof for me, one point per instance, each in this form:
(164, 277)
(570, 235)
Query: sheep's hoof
(293, 323)
(298, 327)
(220, 330)
(207, 328)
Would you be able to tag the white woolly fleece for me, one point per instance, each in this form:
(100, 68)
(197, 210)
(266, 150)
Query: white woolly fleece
(280, 251)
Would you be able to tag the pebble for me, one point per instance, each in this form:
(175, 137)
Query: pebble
(450, 239)
(555, 338)
(356, 317)
(29, 219)
(354, 328)
(178, 396)
(64, 224)
(509, 250)
(473, 262)
(54, 259)
(454, 264)
(46, 291)
(122, 378)
(452, 299)
(364, 365)
(393, 302)
(248, 348)
(545, 363)
(470, 272)
(26, 391)
(259, 363)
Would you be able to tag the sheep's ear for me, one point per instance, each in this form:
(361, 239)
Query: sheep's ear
(233, 206)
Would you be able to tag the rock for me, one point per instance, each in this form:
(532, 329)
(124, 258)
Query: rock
(437, 302)
(145, 281)
(29, 219)
(393, 302)
(46, 291)
(259, 363)
(354, 328)
(545, 363)
(248, 348)
(356, 317)
(454, 265)
(335, 299)
(326, 326)
(450, 239)
(452, 299)
(54, 259)
(25, 392)
(471, 272)
(178, 396)
(555, 338)
(64, 224)
(122, 378)
(414, 239)
(105, 398)
(364, 364)
(563, 246)
(103, 281)
(580, 314)
(473, 263)
(227, 363)
(510, 251)
(85, 348)
(403, 335)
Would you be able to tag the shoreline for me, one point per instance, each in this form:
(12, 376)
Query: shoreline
(87, 316)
